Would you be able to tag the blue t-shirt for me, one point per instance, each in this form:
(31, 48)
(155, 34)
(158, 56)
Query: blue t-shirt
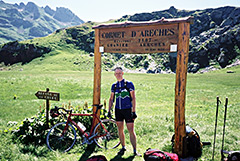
(122, 95)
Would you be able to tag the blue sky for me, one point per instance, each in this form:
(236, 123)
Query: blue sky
(103, 10)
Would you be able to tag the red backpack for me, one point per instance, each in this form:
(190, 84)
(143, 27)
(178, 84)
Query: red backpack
(157, 155)
(97, 158)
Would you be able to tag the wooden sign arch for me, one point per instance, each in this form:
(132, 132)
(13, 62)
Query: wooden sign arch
(161, 36)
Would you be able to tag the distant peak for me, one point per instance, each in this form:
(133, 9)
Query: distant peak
(173, 10)
(172, 7)
(47, 6)
(31, 3)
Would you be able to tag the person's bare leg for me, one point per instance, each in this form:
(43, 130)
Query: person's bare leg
(133, 138)
(130, 127)
(120, 125)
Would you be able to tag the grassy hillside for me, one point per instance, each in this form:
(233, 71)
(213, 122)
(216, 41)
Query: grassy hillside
(63, 56)
(155, 106)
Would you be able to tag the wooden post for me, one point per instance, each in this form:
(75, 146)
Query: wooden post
(97, 73)
(180, 88)
(47, 109)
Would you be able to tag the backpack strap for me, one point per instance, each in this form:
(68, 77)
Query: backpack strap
(125, 86)
(115, 87)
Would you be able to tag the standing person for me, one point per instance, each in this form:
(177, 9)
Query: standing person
(125, 108)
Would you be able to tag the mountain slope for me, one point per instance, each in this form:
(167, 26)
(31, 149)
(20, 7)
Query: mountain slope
(214, 35)
(21, 22)
(60, 50)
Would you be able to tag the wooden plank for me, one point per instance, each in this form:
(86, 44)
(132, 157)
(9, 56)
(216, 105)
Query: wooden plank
(140, 39)
(180, 88)
(97, 74)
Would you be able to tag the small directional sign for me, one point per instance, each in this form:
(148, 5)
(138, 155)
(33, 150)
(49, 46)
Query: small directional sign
(47, 95)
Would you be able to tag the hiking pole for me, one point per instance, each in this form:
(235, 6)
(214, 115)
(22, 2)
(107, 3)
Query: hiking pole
(225, 115)
(218, 102)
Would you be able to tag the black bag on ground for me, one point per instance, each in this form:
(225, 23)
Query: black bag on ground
(97, 158)
(194, 144)
(232, 155)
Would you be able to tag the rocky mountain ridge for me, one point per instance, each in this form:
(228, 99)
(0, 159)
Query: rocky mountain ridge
(21, 22)
(214, 36)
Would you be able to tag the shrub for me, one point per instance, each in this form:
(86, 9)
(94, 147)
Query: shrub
(34, 130)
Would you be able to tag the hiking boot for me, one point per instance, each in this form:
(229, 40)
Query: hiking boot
(121, 151)
(137, 154)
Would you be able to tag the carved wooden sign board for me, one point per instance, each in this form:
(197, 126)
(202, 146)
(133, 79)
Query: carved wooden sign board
(160, 36)
(153, 39)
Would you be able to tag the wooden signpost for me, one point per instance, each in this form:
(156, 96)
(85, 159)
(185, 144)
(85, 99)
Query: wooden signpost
(161, 36)
(47, 96)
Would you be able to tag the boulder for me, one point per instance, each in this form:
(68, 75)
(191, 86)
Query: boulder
(223, 58)
(15, 52)
(193, 68)
(216, 16)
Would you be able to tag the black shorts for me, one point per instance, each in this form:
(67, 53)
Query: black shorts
(124, 114)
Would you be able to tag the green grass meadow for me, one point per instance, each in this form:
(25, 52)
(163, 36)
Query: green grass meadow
(155, 107)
